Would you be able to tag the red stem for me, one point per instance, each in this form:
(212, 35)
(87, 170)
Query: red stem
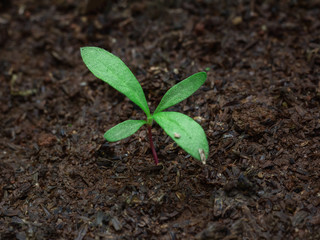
(155, 157)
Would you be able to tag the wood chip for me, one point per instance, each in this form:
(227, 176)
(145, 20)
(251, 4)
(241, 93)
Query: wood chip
(202, 156)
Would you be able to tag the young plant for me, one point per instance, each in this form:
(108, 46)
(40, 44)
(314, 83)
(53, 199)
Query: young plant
(186, 132)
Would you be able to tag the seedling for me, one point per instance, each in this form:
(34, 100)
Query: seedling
(186, 132)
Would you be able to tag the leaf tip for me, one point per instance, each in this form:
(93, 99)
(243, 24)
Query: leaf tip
(82, 49)
(204, 74)
(107, 136)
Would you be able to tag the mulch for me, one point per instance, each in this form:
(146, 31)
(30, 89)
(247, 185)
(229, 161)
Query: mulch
(260, 109)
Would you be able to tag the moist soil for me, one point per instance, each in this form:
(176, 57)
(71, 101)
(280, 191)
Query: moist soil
(260, 109)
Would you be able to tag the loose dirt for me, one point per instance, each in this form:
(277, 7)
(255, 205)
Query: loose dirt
(260, 109)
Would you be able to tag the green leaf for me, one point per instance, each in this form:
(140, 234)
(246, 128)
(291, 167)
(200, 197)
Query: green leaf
(186, 132)
(112, 70)
(181, 91)
(123, 130)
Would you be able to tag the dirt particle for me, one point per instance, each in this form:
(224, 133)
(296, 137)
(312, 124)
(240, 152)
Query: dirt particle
(46, 139)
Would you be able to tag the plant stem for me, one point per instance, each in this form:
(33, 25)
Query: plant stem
(155, 157)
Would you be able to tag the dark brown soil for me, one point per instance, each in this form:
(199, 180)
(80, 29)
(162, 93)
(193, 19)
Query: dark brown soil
(260, 109)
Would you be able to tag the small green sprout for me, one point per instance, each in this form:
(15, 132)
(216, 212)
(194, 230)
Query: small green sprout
(186, 132)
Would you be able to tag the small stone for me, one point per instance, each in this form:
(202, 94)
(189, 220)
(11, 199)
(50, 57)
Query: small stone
(177, 135)
(237, 20)
(116, 224)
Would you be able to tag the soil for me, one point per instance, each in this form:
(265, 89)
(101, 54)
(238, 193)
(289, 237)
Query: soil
(260, 109)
